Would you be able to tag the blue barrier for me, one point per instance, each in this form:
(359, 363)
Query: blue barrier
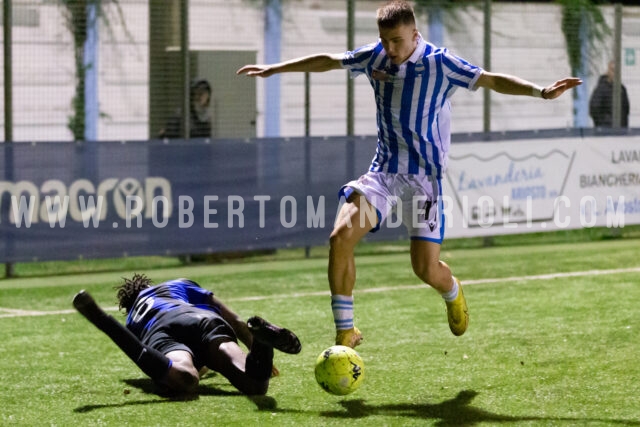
(90, 200)
(68, 200)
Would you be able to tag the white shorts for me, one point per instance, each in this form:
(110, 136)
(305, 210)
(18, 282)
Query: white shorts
(414, 198)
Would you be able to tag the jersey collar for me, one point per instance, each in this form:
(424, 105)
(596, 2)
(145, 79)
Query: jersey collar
(418, 52)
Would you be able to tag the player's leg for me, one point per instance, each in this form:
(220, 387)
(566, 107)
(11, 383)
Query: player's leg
(427, 265)
(230, 360)
(153, 363)
(349, 229)
(250, 372)
(425, 221)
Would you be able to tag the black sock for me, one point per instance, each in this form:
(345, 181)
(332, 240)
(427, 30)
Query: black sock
(151, 361)
(259, 361)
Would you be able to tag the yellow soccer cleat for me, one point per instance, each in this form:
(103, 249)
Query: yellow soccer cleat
(458, 313)
(349, 337)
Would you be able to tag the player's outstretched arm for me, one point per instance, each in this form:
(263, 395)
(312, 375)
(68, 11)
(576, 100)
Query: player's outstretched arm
(512, 85)
(233, 319)
(311, 64)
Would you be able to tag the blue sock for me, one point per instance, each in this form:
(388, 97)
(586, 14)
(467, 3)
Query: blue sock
(342, 308)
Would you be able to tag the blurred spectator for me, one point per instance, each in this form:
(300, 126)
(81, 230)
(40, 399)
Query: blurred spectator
(601, 103)
(200, 124)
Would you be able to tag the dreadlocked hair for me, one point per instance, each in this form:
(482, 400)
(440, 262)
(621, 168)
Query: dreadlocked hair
(129, 290)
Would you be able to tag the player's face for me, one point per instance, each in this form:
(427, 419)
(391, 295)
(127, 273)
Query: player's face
(399, 42)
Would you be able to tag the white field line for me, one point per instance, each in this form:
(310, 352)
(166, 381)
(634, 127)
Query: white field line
(10, 312)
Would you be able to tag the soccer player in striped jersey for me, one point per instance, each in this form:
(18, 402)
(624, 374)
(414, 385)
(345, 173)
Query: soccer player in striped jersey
(176, 330)
(412, 81)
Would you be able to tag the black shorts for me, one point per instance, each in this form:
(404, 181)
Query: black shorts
(189, 329)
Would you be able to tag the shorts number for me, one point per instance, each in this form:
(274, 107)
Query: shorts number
(427, 209)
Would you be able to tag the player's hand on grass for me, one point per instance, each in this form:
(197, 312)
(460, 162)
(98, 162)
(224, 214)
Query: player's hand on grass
(559, 87)
(274, 371)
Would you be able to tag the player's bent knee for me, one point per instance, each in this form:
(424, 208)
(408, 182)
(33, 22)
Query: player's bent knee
(343, 238)
(183, 375)
(336, 239)
(183, 380)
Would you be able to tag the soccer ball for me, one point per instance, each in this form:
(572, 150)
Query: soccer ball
(339, 370)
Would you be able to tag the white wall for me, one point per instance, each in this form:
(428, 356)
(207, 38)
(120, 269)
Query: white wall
(527, 41)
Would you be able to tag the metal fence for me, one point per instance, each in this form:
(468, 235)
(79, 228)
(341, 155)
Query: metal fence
(109, 70)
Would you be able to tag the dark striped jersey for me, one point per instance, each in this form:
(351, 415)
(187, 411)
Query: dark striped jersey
(155, 302)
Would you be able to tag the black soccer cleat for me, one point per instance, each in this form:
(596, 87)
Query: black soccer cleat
(86, 305)
(274, 336)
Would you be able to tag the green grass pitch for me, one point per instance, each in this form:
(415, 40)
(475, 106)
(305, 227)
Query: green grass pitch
(551, 342)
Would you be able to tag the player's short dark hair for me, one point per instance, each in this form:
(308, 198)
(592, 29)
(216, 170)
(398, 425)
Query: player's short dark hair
(128, 291)
(394, 13)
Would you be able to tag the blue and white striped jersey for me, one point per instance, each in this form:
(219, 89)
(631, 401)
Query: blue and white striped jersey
(412, 102)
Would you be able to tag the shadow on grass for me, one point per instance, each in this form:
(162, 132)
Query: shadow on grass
(453, 412)
(147, 386)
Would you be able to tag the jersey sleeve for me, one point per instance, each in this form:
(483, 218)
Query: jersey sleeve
(459, 72)
(197, 295)
(190, 292)
(357, 61)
